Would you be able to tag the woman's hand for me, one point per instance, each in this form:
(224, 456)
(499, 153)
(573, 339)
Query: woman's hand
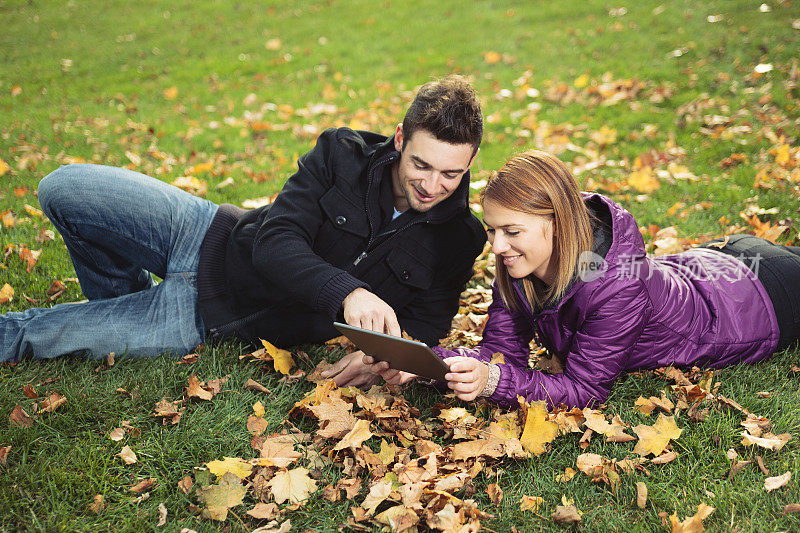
(389, 375)
(467, 376)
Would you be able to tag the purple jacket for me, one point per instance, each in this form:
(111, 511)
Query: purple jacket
(700, 307)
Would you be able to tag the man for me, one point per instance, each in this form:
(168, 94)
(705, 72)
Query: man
(372, 229)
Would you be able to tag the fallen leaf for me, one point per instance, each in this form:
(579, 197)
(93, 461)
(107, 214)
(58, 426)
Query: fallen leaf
(32, 211)
(495, 493)
(98, 504)
(530, 503)
(791, 508)
(566, 514)
(4, 454)
(31, 257)
(643, 180)
(256, 425)
(378, 492)
(282, 359)
(264, 511)
(234, 465)
(538, 430)
(255, 386)
(277, 452)
(4, 167)
(664, 458)
(171, 93)
(8, 219)
(568, 474)
(117, 434)
(490, 447)
(355, 436)
(186, 484)
(29, 392)
(767, 440)
(654, 439)
(292, 485)
(145, 484)
(127, 455)
(162, 515)
(6, 294)
(20, 418)
(229, 492)
(776, 482)
(192, 185)
(692, 524)
(641, 495)
(195, 390)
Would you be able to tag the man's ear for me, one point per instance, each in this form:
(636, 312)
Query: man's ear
(398, 138)
(473, 157)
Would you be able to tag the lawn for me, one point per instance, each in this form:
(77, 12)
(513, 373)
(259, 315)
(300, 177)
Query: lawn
(687, 113)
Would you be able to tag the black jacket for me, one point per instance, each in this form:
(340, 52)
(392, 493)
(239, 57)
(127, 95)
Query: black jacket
(280, 272)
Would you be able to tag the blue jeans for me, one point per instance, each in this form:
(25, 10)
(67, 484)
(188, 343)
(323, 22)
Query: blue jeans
(119, 227)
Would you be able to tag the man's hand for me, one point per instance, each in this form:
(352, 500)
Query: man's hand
(350, 370)
(365, 310)
(467, 376)
(389, 375)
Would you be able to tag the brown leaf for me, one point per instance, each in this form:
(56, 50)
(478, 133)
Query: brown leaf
(256, 386)
(264, 511)
(761, 465)
(776, 482)
(490, 447)
(566, 514)
(278, 451)
(530, 503)
(354, 438)
(145, 484)
(6, 294)
(30, 257)
(4, 454)
(117, 434)
(127, 455)
(495, 493)
(196, 390)
(664, 458)
(641, 495)
(792, 508)
(692, 524)
(168, 411)
(98, 504)
(186, 484)
(736, 467)
(29, 392)
(162, 515)
(20, 418)
(256, 425)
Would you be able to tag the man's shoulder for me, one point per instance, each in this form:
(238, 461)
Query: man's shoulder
(359, 142)
(464, 234)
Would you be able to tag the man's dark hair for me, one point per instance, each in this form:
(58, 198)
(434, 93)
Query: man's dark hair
(448, 109)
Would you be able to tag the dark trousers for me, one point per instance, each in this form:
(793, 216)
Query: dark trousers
(778, 268)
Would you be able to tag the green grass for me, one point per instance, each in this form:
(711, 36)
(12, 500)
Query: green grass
(366, 58)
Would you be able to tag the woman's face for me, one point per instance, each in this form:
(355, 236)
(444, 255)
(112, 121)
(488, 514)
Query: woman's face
(523, 242)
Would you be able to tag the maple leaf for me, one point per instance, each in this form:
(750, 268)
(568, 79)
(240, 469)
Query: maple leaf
(643, 180)
(229, 492)
(398, 517)
(234, 465)
(417, 470)
(538, 430)
(282, 359)
(653, 439)
(776, 482)
(292, 485)
(195, 389)
(276, 451)
(335, 418)
(378, 492)
(20, 418)
(692, 524)
(355, 436)
(30, 257)
(127, 455)
(6, 294)
(489, 447)
(530, 503)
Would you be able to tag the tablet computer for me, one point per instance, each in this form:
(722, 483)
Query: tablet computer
(401, 354)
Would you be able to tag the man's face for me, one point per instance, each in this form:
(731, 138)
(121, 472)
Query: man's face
(429, 170)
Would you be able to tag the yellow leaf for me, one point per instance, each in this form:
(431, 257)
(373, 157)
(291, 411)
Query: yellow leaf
(530, 503)
(191, 185)
(776, 482)
(258, 409)
(4, 167)
(234, 465)
(356, 436)
(492, 57)
(538, 430)
(8, 218)
(692, 524)
(127, 455)
(654, 439)
(292, 485)
(781, 155)
(581, 81)
(200, 167)
(644, 405)
(6, 294)
(218, 498)
(171, 93)
(282, 359)
(643, 180)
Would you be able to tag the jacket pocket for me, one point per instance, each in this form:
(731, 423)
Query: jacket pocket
(344, 228)
(407, 278)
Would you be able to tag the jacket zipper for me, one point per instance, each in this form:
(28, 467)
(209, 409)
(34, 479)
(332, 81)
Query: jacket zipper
(371, 173)
(390, 237)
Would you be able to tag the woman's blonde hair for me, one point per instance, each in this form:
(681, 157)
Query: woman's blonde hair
(538, 183)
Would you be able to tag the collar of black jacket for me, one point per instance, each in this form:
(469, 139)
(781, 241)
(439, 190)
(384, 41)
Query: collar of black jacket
(456, 203)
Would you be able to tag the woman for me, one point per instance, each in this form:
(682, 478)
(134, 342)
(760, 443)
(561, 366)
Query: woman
(572, 273)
